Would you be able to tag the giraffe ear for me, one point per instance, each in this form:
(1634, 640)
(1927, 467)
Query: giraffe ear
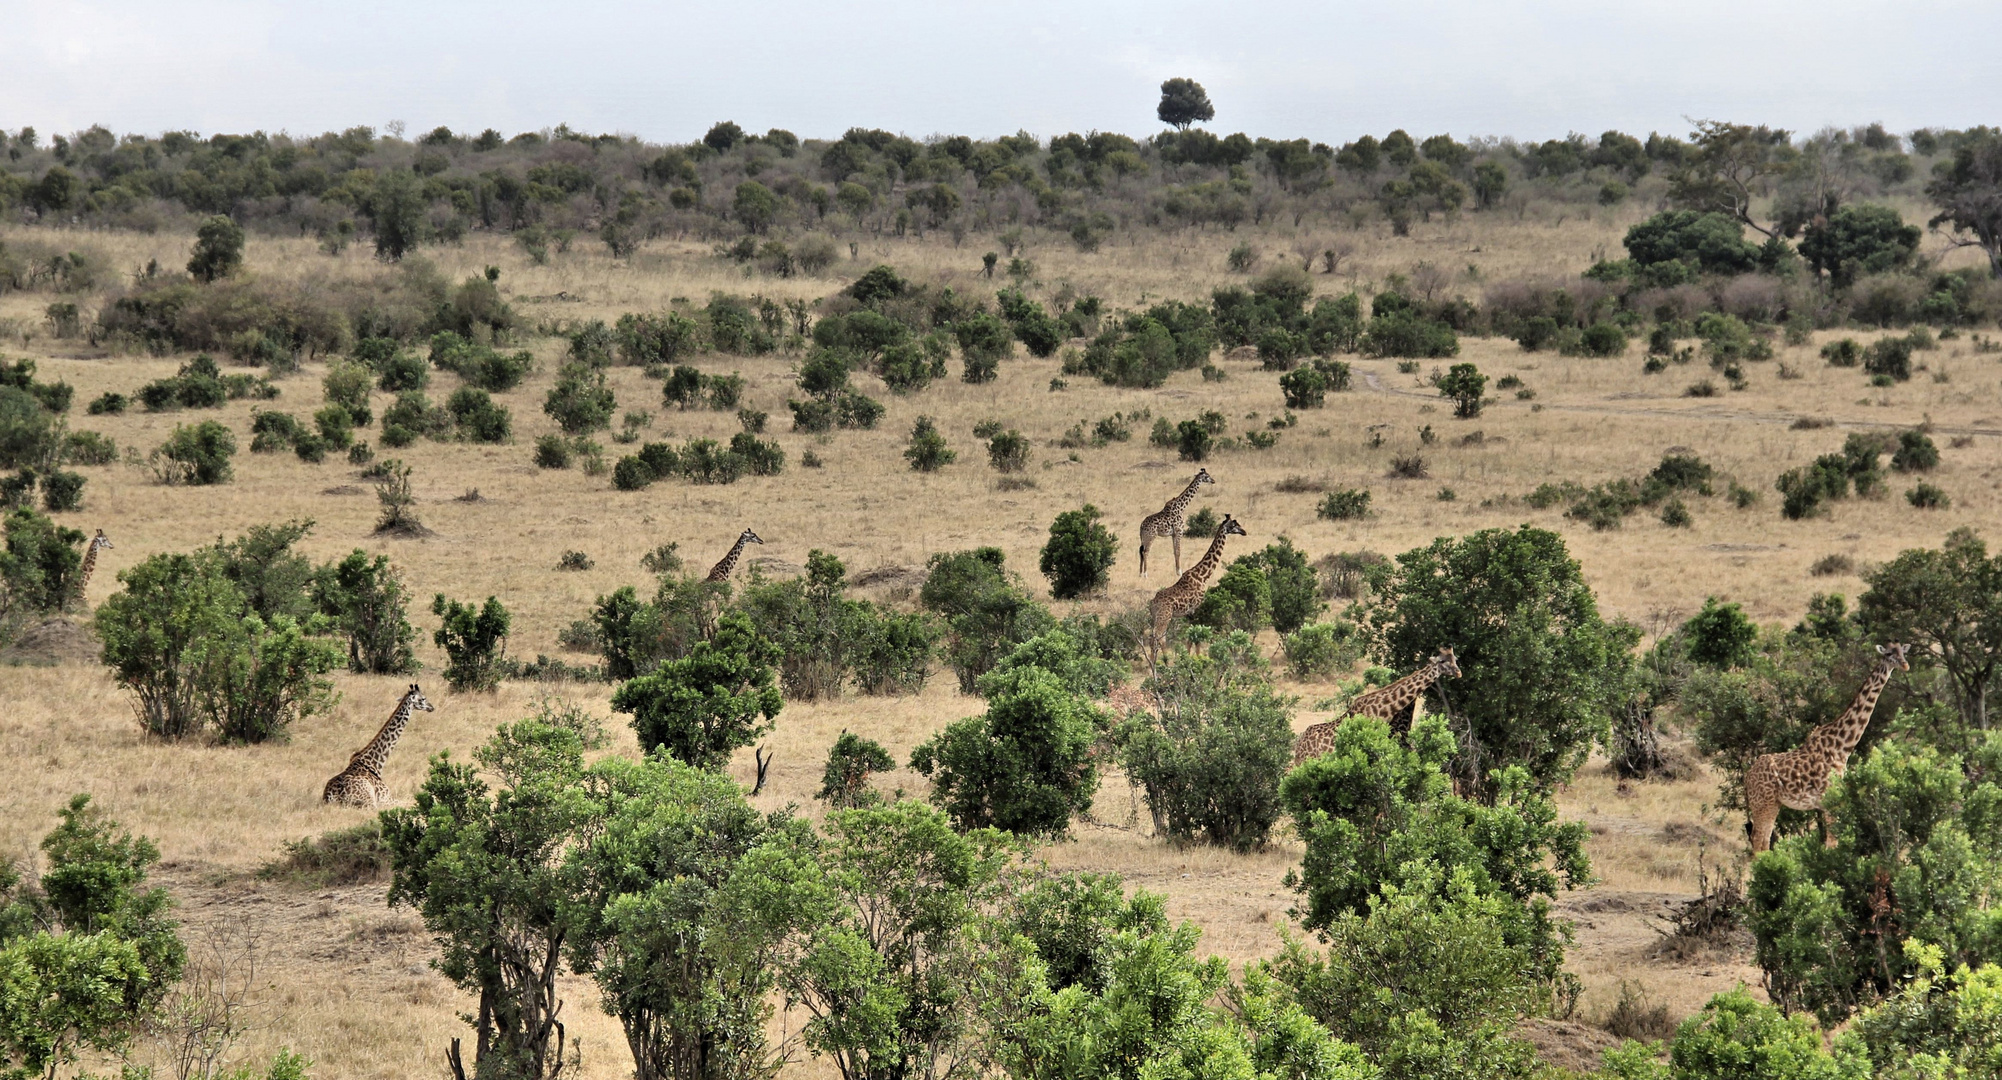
(1882, 651)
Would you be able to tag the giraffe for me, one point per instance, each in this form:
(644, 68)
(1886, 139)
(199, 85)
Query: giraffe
(360, 784)
(90, 564)
(1799, 777)
(1187, 591)
(721, 571)
(1170, 520)
(1386, 703)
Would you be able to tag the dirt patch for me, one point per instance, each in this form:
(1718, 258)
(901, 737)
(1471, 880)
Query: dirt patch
(777, 567)
(1566, 1044)
(56, 641)
(343, 489)
(890, 577)
(409, 530)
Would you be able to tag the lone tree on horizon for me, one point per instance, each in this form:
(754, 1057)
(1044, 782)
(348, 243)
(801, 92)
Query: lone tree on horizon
(1183, 102)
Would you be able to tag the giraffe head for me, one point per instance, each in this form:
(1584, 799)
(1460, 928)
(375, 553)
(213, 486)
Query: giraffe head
(749, 537)
(1202, 477)
(1448, 665)
(100, 540)
(1896, 655)
(1230, 527)
(416, 701)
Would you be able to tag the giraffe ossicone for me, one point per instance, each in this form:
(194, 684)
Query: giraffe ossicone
(1798, 778)
(361, 783)
(1385, 703)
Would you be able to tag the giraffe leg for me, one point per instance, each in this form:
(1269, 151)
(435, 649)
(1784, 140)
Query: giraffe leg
(1145, 539)
(1178, 551)
(1762, 799)
(1827, 827)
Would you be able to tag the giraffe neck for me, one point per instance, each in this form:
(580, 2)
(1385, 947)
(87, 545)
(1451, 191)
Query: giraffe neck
(1839, 736)
(376, 753)
(89, 564)
(1206, 565)
(1180, 503)
(1408, 688)
(729, 562)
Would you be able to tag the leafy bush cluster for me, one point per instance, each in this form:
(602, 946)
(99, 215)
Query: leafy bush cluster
(699, 461)
(1607, 505)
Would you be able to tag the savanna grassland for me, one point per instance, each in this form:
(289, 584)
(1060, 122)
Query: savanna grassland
(344, 978)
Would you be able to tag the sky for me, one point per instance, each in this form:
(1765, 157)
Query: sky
(1329, 71)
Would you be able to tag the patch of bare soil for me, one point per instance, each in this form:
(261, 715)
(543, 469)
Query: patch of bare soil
(55, 641)
(1566, 1044)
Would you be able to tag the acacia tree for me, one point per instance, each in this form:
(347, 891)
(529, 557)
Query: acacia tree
(483, 866)
(1184, 102)
(1949, 602)
(703, 706)
(1729, 166)
(1968, 191)
(1542, 669)
(218, 249)
(683, 893)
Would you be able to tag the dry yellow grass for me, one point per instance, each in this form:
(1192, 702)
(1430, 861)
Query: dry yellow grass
(348, 985)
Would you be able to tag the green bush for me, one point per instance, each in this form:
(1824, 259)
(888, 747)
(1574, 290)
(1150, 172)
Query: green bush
(1079, 555)
(1211, 760)
(1241, 599)
(369, 604)
(716, 699)
(1922, 496)
(1940, 1023)
(347, 385)
(1915, 453)
(928, 451)
(1738, 1038)
(39, 567)
(1890, 358)
(1464, 384)
(1911, 826)
(1720, 635)
(1544, 670)
(1603, 339)
(1844, 353)
(1322, 650)
(88, 950)
(196, 456)
(403, 371)
(335, 427)
(475, 642)
(1427, 982)
(1304, 388)
(29, 434)
(478, 417)
(414, 415)
(1349, 504)
(844, 783)
(1008, 452)
(1857, 240)
(63, 491)
(986, 611)
(109, 403)
(580, 402)
(1379, 819)
(552, 452)
(1707, 242)
(1025, 766)
(1193, 440)
(187, 641)
(218, 249)
(760, 457)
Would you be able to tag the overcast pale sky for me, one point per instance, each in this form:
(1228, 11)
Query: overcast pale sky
(666, 71)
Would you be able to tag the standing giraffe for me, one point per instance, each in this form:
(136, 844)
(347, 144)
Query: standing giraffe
(1170, 521)
(1386, 703)
(361, 784)
(90, 565)
(1798, 778)
(1187, 591)
(721, 571)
